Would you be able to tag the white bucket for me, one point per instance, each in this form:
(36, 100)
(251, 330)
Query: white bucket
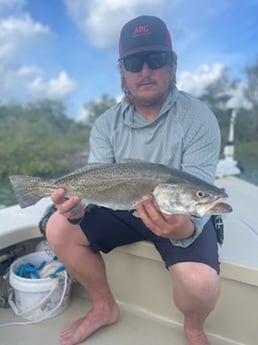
(38, 299)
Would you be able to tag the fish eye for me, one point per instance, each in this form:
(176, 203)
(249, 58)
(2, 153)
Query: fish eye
(200, 194)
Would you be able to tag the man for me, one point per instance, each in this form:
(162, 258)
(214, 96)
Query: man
(157, 123)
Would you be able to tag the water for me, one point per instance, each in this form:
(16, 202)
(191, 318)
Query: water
(7, 197)
(250, 174)
(250, 170)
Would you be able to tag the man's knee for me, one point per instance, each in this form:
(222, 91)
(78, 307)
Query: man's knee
(205, 281)
(197, 279)
(62, 235)
(56, 230)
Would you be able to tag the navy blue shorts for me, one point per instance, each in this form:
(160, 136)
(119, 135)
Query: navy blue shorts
(106, 229)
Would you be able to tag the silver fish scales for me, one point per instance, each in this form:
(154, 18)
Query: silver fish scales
(117, 185)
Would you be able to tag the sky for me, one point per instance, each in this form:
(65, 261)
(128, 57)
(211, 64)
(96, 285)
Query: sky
(67, 50)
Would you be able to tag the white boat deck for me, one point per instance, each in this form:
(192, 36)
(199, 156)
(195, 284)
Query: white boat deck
(241, 226)
(147, 316)
(135, 327)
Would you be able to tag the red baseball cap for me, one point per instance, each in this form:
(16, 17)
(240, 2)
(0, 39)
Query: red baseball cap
(143, 34)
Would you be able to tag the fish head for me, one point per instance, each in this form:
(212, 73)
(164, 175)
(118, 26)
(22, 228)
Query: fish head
(191, 199)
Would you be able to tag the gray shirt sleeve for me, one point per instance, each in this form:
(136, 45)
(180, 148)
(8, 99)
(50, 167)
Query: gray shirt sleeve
(200, 158)
(199, 223)
(101, 149)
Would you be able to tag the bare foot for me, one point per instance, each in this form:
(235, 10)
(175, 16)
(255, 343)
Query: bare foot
(81, 329)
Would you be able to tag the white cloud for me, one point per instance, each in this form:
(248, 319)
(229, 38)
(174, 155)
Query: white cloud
(27, 83)
(82, 115)
(101, 21)
(197, 82)
(27, 71)
(19, 35)
(14, 80)
(237, 98)
(56, 89)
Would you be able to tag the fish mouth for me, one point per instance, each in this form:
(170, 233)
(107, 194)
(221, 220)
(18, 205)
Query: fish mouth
(219, 207)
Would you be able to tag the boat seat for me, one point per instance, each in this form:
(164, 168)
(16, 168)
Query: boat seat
(18, 225)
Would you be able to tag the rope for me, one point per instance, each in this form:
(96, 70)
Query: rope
(43, 270)
(30, 271)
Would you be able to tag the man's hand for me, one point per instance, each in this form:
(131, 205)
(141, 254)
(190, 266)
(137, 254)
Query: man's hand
(67, 207)
(164, 225)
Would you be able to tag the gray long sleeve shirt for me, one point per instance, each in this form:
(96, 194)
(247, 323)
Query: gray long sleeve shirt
(185, 135)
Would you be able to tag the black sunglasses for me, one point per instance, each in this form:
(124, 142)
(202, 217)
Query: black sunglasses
(154, 60)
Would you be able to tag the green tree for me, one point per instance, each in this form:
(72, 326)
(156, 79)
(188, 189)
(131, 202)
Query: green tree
(252, 95)
(217, 95)
(39, 139)
(95, 108)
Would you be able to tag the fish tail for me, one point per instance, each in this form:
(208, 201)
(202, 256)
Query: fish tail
(28, 190)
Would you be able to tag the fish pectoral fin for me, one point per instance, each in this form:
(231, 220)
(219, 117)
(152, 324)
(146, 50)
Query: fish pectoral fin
(83, 204)
(136, 214)
(141, 201)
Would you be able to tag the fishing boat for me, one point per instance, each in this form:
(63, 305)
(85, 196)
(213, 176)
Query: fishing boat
(141, 284)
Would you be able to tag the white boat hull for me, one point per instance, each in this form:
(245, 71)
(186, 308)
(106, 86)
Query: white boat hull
(143, 287)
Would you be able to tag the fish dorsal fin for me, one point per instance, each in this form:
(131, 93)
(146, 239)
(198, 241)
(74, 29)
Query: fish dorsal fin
(141, 161)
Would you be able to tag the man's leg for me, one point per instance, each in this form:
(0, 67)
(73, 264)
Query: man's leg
(196, 291)
(71, 246)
